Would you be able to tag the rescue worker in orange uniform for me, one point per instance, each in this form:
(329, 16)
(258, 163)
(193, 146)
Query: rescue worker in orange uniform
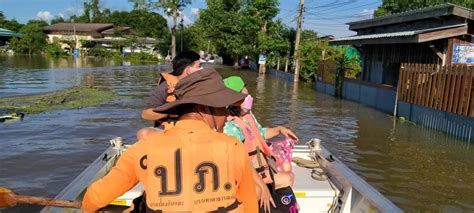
(190, 167)
(183, 64)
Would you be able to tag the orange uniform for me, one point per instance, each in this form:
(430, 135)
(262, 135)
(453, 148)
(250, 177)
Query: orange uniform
(187, 168)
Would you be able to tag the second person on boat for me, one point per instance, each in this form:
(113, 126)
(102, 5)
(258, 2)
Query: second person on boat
(243, 125)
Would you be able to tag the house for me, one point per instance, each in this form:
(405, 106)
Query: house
(5, 35)
(75, 32)
(104, 34)
(427, 35)
(428, 55)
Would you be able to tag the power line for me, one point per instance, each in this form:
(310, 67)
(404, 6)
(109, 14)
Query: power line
(346, 9)
(341, 17)
(329, 28)
(324, 5)
(333, 4)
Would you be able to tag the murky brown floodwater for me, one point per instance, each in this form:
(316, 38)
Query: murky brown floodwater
(416, 168)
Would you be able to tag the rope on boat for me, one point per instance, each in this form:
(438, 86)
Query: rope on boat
(320, 175)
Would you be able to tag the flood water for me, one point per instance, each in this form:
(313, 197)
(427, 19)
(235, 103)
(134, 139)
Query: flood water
(417, 168)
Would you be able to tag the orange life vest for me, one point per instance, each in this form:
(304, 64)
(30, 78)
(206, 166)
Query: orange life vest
(190, 177)
(255, 145)
(171, 82)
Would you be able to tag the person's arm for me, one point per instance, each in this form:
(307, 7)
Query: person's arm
(119, 180)
(274, 131)
(246, 192)
(157, 98)
(263, 194)
(149, 114)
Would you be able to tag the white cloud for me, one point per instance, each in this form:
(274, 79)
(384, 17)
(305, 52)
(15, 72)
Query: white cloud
(367, 13)
(45, 15)
(70, 11)
(194, 11)
(186, 20)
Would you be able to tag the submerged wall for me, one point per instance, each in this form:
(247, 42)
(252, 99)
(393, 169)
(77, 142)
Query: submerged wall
(278, 73)
(383, 98)
(379, 98)
(449, 123)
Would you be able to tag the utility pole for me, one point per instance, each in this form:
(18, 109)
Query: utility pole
(173, 32)
(182, 31)
(297, 42)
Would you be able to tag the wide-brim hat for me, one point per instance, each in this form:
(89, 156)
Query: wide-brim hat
(204, 87)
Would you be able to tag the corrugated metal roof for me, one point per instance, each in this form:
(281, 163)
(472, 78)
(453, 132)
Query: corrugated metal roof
(381, 35)
(404, 13)
(8, 33)
(416, 14)
(395, 34)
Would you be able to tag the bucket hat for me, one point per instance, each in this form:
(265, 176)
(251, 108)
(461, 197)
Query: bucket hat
(205, 87)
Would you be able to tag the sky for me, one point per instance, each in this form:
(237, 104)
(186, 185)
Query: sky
(327, 17)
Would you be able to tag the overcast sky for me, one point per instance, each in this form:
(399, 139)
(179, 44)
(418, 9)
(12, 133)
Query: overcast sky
(324, 16)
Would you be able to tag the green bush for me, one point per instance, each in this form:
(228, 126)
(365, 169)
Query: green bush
(99, 51)
(141, 56)
(55, 50)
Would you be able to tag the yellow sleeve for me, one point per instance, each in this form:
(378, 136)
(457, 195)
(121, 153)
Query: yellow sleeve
(246, 192)
(119, 180)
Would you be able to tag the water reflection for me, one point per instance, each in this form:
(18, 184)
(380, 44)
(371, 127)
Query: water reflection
(418, 169)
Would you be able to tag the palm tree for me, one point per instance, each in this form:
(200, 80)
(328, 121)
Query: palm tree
(171, 8)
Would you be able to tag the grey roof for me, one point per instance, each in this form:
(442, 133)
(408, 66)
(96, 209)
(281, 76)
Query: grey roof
(8, 33)
(146, 40)
(111, 31)
(347, 40)
(413, 15)
(78, 27)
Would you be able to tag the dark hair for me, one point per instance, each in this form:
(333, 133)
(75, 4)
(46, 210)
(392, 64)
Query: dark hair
(185, 108)
(182, 60)
(234, 110)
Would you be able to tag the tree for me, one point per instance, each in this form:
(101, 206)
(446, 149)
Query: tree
(12, 25)
(57, 19)
(263, 11)
(142, 22)
(345, 64)
(171, 8)
(138, 4)
(94, 8)
(33, 38)
(311, 48)
(91, 12)
(274, 43)
(226, 29)
(396, 6)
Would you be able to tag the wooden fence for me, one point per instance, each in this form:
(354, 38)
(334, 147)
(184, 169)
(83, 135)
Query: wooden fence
(448, 88)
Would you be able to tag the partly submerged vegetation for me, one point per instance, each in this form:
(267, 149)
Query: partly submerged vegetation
(71, 98)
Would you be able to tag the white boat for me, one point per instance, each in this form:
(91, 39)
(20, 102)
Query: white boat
(332, 187)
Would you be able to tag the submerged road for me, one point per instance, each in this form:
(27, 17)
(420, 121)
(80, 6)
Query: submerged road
(417, 168)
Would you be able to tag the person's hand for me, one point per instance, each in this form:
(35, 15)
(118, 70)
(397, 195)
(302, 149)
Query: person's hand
(288, 133)
(265, 199)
